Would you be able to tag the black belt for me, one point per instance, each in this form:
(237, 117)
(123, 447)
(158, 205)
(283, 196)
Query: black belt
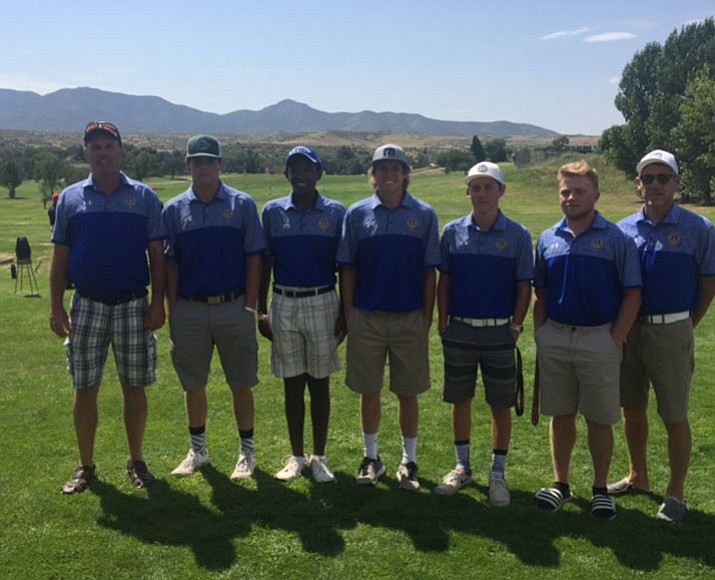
(217, 299)
(114, 300)
(303, 293)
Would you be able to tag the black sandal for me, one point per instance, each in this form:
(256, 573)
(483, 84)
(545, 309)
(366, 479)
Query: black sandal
(139, 473)
(80, 480)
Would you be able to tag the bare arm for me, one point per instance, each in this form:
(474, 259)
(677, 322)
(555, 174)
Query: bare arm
(540, 314)
(59, 320)
(254, 267)
(707, 293)
(264, 326)
(155, 316)
(430, 292)
(521, 307)
(444, 290)
(348, 282)
(172, 284)
(627, 314)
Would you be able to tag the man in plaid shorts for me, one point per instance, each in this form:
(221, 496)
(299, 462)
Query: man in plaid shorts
(305, 323)
(104, 227)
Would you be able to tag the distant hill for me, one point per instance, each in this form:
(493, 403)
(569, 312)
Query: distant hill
(67, 110)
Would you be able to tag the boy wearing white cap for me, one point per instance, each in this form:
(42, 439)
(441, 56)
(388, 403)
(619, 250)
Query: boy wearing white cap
(677, 257)
(483, 296)
(388, 252)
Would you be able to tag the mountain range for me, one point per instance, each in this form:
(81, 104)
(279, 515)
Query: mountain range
(66, 110)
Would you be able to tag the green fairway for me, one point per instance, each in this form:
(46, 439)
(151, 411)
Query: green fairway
(207, 526)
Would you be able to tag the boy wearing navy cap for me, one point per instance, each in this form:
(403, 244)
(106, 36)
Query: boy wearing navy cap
(677, 251)
(305, 323)
(213, 252)
(388, 252)
(482, 296)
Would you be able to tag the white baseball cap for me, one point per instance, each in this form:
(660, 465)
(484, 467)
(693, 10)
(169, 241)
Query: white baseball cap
(485, 169)
(659, 156)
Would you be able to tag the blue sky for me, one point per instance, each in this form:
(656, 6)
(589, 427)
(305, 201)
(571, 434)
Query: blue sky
(554, 64)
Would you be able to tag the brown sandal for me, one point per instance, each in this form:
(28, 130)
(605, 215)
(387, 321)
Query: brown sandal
(80, 480)
(139, 473)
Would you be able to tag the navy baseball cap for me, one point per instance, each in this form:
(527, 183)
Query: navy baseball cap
(304, 151)
(94, 127)
(203, 146)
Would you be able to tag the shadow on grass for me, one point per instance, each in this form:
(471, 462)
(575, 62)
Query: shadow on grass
(317, 517)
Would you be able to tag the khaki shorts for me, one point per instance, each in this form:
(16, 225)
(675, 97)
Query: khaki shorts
(304, 335)
(196, 326)
(664, 355)
(579, 371)
(372, 336)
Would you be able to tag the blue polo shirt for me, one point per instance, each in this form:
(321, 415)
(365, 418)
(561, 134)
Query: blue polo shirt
(108, 235)
(390, 248)
(485, 266)
(585, 276)
(210, 241)
(303, 245)
(674, 254)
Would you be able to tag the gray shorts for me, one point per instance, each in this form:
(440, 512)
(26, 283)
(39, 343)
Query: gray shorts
(94, 326)
(579, 371)
(489, 348)
(196, 326)
(662, 355)
(372, 336)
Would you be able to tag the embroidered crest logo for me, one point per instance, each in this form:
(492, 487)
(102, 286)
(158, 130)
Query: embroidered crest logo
(501, 245)
(412, 223)
(324, 224)
(228, 214)
(598, 244)
(131, 201)
(674, 239)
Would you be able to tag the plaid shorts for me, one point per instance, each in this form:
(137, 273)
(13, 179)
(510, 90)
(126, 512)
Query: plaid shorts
(304, 335)
(93, 326)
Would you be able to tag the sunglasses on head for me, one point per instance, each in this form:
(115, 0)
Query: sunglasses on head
(662, 178)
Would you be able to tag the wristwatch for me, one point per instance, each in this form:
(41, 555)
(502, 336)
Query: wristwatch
(518, 328)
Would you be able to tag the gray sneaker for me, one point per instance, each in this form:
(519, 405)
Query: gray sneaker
(293, 469)
(498, 491)
(407, 476)
(370, 471)
(244, 467)
(453, 482)
(321, 470)
(191, 464)
(672, 511)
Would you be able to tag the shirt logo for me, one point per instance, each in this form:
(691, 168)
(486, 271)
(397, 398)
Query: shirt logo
(674, 239)
(501, 245)
(324, 224)
(598, 244)
(227, 214)
(412, 223)
(131, 201)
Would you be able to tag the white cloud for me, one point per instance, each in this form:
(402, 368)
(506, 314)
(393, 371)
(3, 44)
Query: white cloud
(614, 80)
(610, 37)
(565, 33)
(19, 83)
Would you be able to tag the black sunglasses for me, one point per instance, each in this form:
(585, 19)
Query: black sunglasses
(662, 178)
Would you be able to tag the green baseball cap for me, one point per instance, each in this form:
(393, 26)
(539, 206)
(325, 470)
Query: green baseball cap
(203, 146)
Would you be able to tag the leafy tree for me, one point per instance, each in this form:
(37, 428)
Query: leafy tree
(49, 170)
(10, 177)
(455, 160)
(142, 163)
(560, 144)
(171, 162)
(695, 136)
(651, 93)
(497, 150)
(477, 150)
(522, 157)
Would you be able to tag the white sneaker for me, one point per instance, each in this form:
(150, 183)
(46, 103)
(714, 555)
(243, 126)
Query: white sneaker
(321, 470)
(498, 491)
(191, 464)
(293, 469)
(244, 467)
(453, 482)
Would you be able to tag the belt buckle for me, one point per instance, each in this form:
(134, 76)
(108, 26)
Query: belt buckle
(213, 300)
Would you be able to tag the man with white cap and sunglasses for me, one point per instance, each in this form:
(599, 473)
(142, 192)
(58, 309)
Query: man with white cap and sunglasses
(677, 257)
(483, 296)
